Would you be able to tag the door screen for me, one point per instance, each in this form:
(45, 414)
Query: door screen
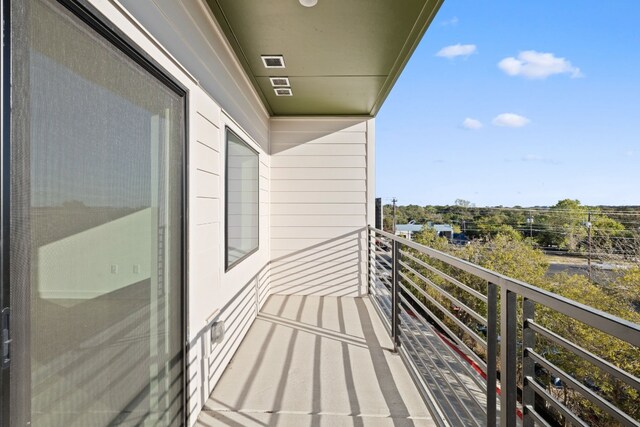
(96, 228)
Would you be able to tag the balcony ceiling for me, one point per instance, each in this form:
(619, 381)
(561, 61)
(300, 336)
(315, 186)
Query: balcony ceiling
(342, 56)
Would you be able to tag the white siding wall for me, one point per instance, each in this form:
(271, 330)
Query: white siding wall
(234, 296)
(319, 204)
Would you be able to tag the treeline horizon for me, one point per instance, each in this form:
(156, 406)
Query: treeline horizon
(569, 225)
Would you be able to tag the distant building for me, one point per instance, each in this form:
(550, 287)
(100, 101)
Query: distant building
(443, 230)
(408, 230)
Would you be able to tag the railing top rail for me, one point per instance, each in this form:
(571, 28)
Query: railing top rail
(608, 323)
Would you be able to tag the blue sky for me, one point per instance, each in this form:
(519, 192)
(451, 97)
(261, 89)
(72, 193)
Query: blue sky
(550, 91)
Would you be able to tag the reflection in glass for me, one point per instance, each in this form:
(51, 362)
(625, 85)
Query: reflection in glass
(242, 199)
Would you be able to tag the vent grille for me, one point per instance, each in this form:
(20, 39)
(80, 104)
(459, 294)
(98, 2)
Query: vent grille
(279, 81)
(283, 91)
(273, 61)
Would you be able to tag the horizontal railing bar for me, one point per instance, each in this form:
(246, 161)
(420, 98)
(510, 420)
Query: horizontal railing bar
(427, 395)
(537, 418)
(446, 277)
(380, 311)
(379, 258)
(613, 325)
(436, 394)
(446, 312)
(453, 336)
(379, 267)
(427, 355)
(421, 321)
(554, 402)
(381, 242)
(382, 277)
(586, 393)
(597, 361)
(372, 282)
(447, 295)
(377, 290)
(381, 250)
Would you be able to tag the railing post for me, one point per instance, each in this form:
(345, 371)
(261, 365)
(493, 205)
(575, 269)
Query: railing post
(492, 353)
(370, 245)
(395, 295)
(528, 365)
(508, 355)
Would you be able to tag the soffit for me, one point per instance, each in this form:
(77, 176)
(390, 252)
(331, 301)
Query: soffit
(342, 56)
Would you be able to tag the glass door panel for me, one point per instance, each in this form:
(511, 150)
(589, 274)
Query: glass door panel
(98, 214)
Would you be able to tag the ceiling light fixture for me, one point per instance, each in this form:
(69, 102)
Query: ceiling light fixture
(308, 3)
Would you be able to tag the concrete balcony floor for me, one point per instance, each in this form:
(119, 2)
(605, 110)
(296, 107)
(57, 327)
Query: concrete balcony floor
(316, 361)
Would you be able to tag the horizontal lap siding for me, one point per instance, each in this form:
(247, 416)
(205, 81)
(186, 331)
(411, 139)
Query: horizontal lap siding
(205, 225)
(232, 297)
(318, 206)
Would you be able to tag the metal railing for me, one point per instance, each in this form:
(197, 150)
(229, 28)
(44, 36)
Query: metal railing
(489, 320)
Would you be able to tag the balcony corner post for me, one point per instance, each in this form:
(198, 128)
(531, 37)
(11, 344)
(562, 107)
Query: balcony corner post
(508, 356)
(371, 255)
(528, 365)
(492, 353)
(395, 295)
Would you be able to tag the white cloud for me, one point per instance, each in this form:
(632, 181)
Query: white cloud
(472, 124)
(456, 50)
(510, 120)
(453, 22)
(630, 153)
(538, 65)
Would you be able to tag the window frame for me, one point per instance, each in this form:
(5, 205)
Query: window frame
(228, 266)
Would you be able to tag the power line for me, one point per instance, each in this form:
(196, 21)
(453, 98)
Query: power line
(595, 210)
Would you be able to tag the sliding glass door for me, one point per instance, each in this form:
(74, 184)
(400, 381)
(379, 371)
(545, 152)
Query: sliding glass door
(96, 226)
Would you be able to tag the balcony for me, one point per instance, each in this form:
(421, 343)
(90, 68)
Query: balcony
(316, 361)
(433, 327)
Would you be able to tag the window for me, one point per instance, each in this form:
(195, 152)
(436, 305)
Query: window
(242, 200)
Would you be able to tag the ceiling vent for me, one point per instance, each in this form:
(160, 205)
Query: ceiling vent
(280, 81)
(283, 91)
(273, 61)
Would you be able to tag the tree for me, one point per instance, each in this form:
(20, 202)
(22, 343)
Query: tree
(619, 353)
(463, 203)
(564, 225)
(509, 254)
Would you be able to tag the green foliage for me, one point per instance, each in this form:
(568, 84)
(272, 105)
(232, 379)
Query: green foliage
(627, 287)
(510, 254)
(621, 354)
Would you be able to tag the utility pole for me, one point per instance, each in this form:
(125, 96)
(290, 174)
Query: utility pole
(530, 222)
(394, 200)
(589, 244)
